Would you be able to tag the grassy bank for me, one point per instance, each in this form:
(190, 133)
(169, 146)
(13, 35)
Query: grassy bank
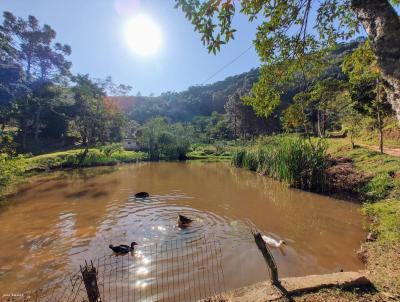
(384, 169)
(381, 196)
(15, 170)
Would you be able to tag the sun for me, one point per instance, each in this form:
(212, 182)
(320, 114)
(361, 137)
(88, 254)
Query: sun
(142, 35)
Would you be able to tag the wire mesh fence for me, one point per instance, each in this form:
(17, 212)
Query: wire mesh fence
(176, 270)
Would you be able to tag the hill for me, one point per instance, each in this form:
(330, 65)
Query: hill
(203, 100)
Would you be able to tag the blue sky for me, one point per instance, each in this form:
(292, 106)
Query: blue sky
(94, 29)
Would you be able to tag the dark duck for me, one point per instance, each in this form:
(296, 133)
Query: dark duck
(184, 221)
(123, 248)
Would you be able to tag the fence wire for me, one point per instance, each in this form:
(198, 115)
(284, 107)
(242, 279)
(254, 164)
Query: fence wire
(175, 270)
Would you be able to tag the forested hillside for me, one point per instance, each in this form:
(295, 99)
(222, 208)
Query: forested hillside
(224, 97)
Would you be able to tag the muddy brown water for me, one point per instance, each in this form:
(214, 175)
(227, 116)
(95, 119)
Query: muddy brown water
(57, 221)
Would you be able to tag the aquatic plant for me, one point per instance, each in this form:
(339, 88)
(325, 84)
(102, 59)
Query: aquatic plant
(298, 161)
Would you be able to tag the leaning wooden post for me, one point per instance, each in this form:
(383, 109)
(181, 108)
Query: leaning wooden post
(89, 275)
(268, 257)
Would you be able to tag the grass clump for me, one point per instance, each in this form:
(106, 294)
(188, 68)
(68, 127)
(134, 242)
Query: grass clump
(299, 162)
(378, 187)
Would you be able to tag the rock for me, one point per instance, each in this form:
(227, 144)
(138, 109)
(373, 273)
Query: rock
(362, 254)
(371, 237)
(264, 291)
(316, 282)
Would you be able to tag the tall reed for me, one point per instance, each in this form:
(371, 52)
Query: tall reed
(298, 161)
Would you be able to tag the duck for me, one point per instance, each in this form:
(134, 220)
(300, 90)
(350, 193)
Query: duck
(273, 242)
(123, 248)
(184, 221)
(142, 195)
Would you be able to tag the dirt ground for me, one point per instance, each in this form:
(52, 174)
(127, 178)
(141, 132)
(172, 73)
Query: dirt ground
(386, 150)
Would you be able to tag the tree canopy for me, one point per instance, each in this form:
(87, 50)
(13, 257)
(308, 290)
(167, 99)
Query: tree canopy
(287, 38)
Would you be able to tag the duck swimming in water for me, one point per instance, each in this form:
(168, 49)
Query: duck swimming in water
(123, 248)
(273, 242)
(142, 195)
(184, 221)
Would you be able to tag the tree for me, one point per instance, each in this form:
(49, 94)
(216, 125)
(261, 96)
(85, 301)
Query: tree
(314, 110)
(323, 96)
(366, 89)
(351, 119)
(284, 35)
(113, 89)
(44, 61)
(297, 115)
(94, 121)
(164, 141)
(7, 49)
(242, 119)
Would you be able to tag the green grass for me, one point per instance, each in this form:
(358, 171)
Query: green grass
(383, 254)
(385, 217)
(67, 159)
(201, 155)
(296, 161)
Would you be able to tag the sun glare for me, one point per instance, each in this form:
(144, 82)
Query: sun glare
(143, 35)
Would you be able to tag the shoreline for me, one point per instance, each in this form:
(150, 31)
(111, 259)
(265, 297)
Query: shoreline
(371, 252)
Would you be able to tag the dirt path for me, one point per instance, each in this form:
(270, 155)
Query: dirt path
(386, 150)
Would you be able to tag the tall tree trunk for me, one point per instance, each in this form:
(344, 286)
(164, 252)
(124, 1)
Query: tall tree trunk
(319, 124)
(382, 25)
(378, 114)
(380, 132)
(37, 123)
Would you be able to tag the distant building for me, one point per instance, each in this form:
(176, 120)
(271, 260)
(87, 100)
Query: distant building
(130, 144)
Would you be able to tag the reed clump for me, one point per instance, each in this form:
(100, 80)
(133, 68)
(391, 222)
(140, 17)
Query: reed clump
(299, 162)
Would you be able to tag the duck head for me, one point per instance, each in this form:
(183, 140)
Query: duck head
(133, 244)
(110, 246)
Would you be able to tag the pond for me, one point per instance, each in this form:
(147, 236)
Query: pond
(56, 221)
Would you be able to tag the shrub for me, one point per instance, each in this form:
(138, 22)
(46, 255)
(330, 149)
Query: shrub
(110, 149)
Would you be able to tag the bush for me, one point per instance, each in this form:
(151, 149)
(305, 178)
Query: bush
(10, 169)
(299, 162)
(110, 149)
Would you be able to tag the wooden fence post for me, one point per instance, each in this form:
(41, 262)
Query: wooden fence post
(268, 257)
(89, 275)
